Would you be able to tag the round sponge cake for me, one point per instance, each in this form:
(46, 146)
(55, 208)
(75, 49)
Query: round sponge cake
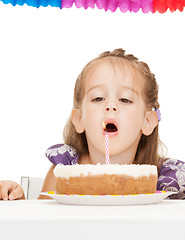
(105, 179)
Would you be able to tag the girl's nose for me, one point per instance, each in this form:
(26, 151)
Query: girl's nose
(109, 108)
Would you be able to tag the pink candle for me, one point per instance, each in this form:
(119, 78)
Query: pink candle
(107, 148)
(106, 144)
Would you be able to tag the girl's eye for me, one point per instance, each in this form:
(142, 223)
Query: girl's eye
(124, 100)
(98, 99)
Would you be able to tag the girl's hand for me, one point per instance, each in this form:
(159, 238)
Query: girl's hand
(10, 190)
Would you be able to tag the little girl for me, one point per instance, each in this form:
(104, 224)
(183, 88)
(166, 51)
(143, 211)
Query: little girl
(120, 91)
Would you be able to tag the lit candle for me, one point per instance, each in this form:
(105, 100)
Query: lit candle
(106, 146)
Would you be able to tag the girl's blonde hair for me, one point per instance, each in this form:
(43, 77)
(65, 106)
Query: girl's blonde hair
(147, 151)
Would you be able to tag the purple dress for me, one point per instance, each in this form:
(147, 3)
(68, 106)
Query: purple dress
(171, 175)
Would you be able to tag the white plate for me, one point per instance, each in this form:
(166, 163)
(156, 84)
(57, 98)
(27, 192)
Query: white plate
(109, 199)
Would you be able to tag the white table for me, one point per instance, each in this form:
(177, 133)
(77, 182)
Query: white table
(46, 219)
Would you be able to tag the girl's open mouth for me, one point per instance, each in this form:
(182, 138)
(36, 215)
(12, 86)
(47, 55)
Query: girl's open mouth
(110, 128)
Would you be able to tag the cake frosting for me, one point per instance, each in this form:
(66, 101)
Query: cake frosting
(132, 170)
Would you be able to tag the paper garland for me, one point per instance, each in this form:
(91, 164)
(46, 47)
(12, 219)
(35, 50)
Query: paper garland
(145, 6)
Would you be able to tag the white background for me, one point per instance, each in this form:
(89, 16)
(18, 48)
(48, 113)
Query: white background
(43, 50)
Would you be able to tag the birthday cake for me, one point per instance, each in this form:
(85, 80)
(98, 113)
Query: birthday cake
(105, 179)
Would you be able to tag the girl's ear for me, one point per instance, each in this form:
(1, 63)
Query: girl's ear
(150, 122)
(76, 119)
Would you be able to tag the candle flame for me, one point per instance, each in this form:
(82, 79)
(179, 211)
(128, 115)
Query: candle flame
(104, 126)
